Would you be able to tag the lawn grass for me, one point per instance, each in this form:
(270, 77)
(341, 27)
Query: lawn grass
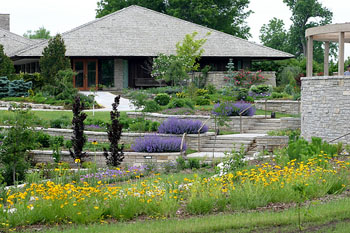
(330, 217)
(51, 115)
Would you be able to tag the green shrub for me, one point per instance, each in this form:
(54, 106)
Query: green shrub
(43, 139)
(201, 92)
(242, 94)
(154, 126)
(211, 89)
(162, 99)
(176, 103)
(263, 88)
(181, 163)
(289, 89)
(201, 101)
(180, 95)
(35, 78)
(61, 123)
(151, 106)
(194, 163)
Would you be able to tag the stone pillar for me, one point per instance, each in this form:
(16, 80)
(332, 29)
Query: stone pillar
(326, 59)
(341, 54)
(118, 74)
(310, 51)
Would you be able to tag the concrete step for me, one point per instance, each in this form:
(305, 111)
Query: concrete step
(259, 131)
(219, 141)
(216, 149)
(225, 146)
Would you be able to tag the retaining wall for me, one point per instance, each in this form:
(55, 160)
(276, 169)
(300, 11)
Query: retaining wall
(131, 158)
(325, 107)
(283, 106)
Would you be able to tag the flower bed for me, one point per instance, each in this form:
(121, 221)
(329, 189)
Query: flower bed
(180, 126)
(233, 109)
(247, 189)
(155, 143)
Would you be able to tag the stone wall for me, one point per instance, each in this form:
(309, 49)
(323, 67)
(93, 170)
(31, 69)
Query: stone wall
(7, 104)
(271, 143)
(127, 138)
(325, 107)
(283, 106)
(131, 158)
(217, 78)
(233, 122)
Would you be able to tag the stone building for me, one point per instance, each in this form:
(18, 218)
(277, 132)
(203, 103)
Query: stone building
(116, 50)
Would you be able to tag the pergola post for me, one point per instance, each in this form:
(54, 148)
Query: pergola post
(310, 48)
(326, 59)
(341, 54)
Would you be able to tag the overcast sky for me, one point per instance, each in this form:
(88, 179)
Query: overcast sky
(63, 15)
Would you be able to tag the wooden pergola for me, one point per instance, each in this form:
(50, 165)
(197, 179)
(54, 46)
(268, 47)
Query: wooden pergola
(339, 33)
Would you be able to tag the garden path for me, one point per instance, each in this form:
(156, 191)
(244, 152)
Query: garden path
(106, 100)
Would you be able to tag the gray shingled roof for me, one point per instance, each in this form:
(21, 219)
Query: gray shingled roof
(138, 31)
(13, 43)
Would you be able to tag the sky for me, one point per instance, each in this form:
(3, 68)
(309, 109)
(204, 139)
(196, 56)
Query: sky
(59, 16)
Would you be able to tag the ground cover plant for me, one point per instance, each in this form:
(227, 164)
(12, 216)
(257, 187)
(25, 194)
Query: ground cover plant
(82, 202)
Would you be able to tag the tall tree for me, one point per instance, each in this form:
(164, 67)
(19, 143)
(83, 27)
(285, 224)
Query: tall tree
(274, 35)
(105, 7)
(224, 15)
(306, 14)
(41, 33)
(6, 65)
(53, 60)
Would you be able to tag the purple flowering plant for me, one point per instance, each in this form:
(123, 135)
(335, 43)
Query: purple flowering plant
(155, 143)
(233, 109)
(180, 126)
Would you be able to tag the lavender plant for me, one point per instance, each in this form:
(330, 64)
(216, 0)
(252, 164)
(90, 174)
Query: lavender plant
(233, 109)
(155, 143)
(78, 139)
(180, 126)
(115, 155)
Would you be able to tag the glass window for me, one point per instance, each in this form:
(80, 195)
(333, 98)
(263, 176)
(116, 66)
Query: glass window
(106, 77)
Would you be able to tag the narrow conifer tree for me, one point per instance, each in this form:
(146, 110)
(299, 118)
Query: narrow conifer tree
(115, 155)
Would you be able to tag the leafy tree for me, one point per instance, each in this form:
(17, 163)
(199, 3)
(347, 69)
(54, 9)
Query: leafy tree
(41, 33)
(53, 60)
(274, 35)
(175, 67)
(307, 14)
(15, 145)
(105, 7)
(115, 155)
(224, 15)
(6, 65)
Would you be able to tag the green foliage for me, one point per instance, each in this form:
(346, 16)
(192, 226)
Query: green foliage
(234, 160)
(53, 60)
(56, 143)
(180, 95)
(65, 90)
(4, 87)
(15, 145)
(61, 123)
(18, 88)
(41, 33)
(300, 149)
(35, 78)
(263, 88)
(43, 139)
(288, 74)
(201, 92)
(6, 65)
(194, 163)
(162, 99)
(226, 15)
(211, 89)
(151, 106)
(274, 35)
(202, 100)
(174, 68)
(179, 103)
(138, 99)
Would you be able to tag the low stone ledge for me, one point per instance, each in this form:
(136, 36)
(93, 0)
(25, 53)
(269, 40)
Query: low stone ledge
(283, 106)
(7, 104)
(132, 158)
(270, 143)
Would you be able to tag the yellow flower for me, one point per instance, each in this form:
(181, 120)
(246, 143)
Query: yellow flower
(96, 207)
(77, 160)
(94, 142)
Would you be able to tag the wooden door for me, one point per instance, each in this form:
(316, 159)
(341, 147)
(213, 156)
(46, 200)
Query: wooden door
(87, 74)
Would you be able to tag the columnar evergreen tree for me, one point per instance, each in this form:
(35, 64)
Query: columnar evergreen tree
(115, 155)
(6, 65)
(78, 139)
(53, 60)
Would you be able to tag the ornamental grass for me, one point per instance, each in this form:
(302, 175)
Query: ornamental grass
(245, 189)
